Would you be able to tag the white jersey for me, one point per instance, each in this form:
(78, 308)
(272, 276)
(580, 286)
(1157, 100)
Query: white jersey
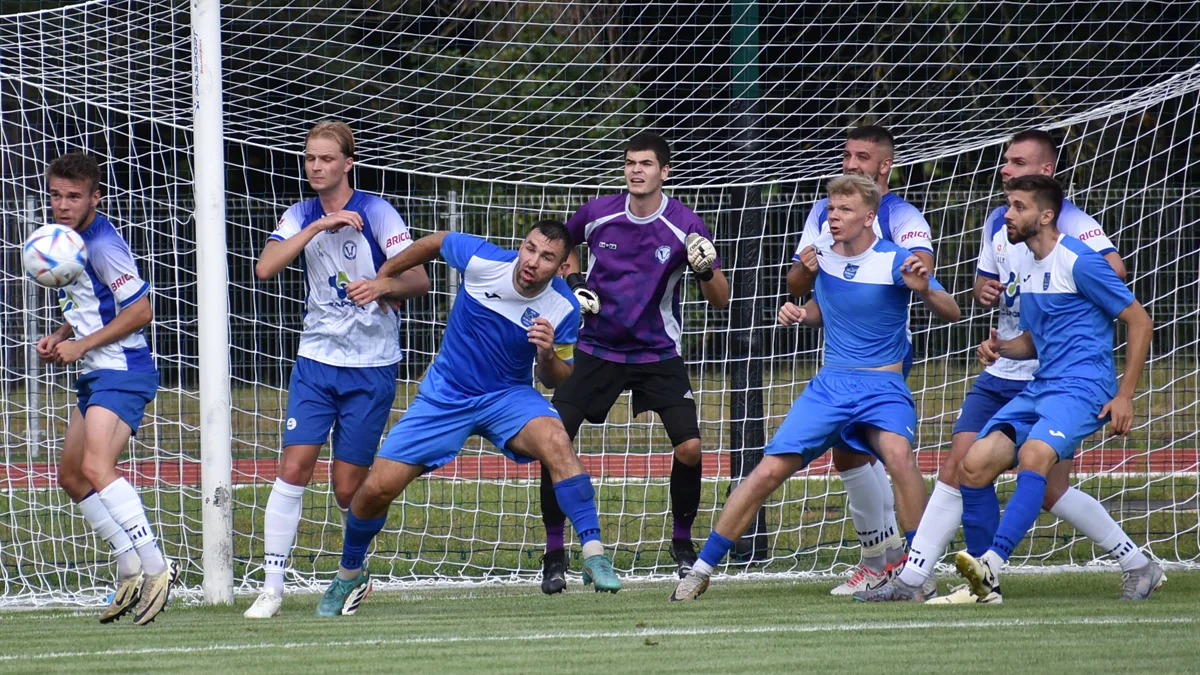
(998, 259)
(336, 331)
(109, 284)
(897, 221)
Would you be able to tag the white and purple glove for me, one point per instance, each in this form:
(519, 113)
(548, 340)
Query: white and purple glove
(701, 255)
(589, 302)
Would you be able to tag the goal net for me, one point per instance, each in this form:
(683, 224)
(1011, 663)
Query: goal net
(485, 117)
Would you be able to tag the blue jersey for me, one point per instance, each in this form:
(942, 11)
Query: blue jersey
(1068, 302)
(109, 284)
(486, 347)
(864, 305)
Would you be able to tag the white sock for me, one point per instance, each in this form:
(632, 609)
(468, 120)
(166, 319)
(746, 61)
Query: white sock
(866, 510)
(125, 507)
(993, 562)
(1093, 521)
(702, 567)
(891, 532)
(941, 519)
(592, 548)
(279, 531)
(345, 512)
(128, 563)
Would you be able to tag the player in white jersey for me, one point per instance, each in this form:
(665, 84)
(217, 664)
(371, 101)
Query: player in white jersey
(859, 399)
(1029, 153)
(344, 379)
(105, 310)
(869, 152)
(512, 318)
(1069, 298)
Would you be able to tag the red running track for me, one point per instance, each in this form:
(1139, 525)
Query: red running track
(495, 467)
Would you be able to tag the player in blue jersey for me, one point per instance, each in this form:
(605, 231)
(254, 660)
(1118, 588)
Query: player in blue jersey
(1029, 153)
(511, 312)
(640, 242)
(868, 152)
(344, 379)
(858, 400)
(1069, 298)
(105, 311)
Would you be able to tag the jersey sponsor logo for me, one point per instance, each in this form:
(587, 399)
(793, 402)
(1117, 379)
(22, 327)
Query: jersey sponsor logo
(662, 254)
(291, 423)
(849, 272)
(1058, 434)
(65, 300)
(1046, 282)
(528, 317)
(1094, 232)
(396, 239)
(912, 235)
(338, 282)
(120, 281)
(608, 245)
(491, 296)
(1012, 290)
(350, 250)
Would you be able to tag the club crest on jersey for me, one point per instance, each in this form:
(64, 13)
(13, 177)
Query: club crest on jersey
(528, 317)
(849, 272)
(662, 254)
(65, 300)
(350, 250)
(1046, 282)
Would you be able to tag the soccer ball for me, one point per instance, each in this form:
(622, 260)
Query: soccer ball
(54, 256)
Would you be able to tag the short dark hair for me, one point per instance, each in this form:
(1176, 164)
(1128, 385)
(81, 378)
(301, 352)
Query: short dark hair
(76, 166)
(648, 140)
(554, 230)
(1046, 190)
(1042, 138)
(873, 133)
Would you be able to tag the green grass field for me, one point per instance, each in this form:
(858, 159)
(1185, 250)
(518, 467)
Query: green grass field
(1063, 623)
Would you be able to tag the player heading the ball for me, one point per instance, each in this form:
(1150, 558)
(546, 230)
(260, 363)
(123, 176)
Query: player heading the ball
(105, 310)
(512, 310)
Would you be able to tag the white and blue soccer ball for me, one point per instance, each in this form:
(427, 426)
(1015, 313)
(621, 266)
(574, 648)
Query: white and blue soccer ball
(54, 256)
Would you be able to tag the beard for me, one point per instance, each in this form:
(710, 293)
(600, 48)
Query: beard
(1021, 234)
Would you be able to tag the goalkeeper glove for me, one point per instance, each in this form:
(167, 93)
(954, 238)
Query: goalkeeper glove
(589, 302)
(701, 254)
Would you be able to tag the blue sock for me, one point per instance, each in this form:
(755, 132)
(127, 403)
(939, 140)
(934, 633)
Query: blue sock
(715, 549)
(909, 534)
(578, 500)
(981, 517)
(359, 534)
(1020, 513)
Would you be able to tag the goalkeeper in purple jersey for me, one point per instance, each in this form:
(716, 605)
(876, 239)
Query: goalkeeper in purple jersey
(640, 243)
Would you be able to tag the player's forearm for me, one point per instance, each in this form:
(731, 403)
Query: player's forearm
(981, 282)
(942, 305)
(422, 251)
(716, 290)
(131, 319)
(65, 331)
(552, 371)
(411, 284)
(1115, 262)
(1020, 348)
(800, 280)
(278, 254)
(1137, 346)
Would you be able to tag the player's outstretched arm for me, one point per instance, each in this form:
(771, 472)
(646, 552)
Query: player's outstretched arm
(402, 277)
(916, 276)
(1137, 345)
(129, 321)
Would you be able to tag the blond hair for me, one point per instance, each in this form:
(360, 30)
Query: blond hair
(335, 130)
(850, 184)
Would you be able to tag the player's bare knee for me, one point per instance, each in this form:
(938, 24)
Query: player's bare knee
(344, 493)
(98, 472)
(844, 460)
(73, 482)
(688, 452)
(972, 472)
(1036, 457)
(295, 472)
